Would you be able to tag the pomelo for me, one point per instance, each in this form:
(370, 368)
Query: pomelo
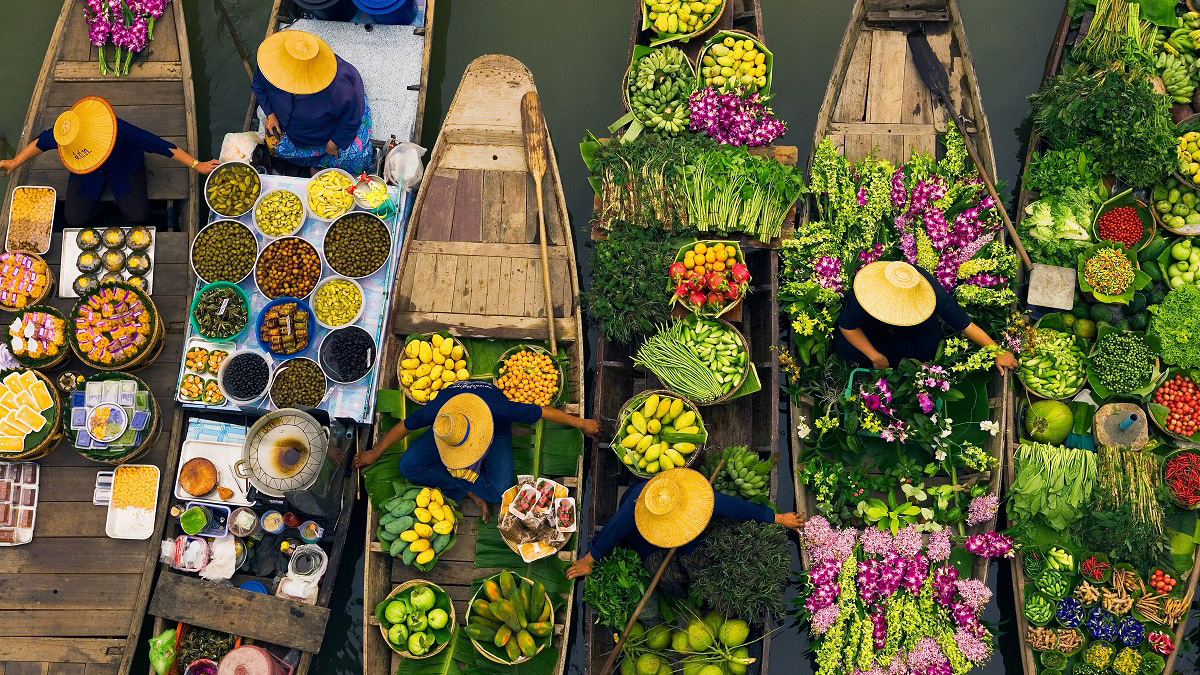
(1048, 422)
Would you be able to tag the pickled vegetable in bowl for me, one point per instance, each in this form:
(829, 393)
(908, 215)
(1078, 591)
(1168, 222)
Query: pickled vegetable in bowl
(328, 196)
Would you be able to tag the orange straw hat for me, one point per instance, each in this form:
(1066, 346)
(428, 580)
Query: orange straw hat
(463, 431)
(86, 134)
(895, 292)
(297, 62)
(674, 507)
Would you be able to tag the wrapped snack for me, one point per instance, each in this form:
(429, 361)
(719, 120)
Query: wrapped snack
(545, 498)
(523, 503)
(564, 514)
(535, 550)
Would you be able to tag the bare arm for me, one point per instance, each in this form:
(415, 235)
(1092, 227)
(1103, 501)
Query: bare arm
(589, 427)
(1004, 359)
(858, 339)
(397, 434)
(27, 153)
(190, 162)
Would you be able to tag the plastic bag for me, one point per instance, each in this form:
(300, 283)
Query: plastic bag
(162, 652)
(240, 146)
(403, 165)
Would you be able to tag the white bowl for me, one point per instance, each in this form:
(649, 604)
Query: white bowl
(281, 366)
(366, 214)
(362, 301)
(317, 175)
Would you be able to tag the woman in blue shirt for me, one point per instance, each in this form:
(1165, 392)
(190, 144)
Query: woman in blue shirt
(671, 510)
(469, 450)
(315, 105)
(101, 150)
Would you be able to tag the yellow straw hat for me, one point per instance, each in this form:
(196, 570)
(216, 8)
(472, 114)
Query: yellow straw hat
(297, 62)
(463, 431)
(674, 507)
(86, 134)
(896, 293)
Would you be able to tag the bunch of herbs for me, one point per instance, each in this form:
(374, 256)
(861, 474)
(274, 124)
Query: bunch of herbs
(616, 585)
(629, 294)
(741, 569)
(1130, 478)
(1056, 172)
(1118, 534)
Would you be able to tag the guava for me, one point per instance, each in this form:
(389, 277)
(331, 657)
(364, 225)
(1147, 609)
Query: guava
(396, 611)
(417, 621)
(422, 598)
(734, 632)
(1181, 250)
(416, 644)
(398, 634)
(658, 637)
(437, 618)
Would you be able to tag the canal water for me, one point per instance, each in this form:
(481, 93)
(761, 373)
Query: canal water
(577, 51)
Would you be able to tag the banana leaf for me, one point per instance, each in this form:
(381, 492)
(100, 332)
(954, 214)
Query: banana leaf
(492, 552)
(442, 663)
(542, 664)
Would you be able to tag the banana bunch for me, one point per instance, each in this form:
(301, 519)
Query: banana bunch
(744, 474)
(1179, 41)
(1176, 75)
(659, 87)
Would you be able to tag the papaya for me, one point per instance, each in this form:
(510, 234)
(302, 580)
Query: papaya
(425, 556)
(507, 582)
(480, 607)
(540, 628)
(386, 518)
(492, 590)
(503, 635)
(490, 623)
(440, 542)
(409, 556)
(518, 603)
(480, 632)
(526, 644)
(406, 507)
(537, 599)
(412, 493)
(512, 650)
(419, 545)
(546, 610)
(504, 611)
(526, 590)
(423, 530)
(397, 548)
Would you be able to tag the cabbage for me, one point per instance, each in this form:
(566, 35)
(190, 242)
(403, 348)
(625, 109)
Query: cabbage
(1065, 217)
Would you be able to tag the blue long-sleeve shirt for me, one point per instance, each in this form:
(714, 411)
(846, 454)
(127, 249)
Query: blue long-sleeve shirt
(128, 156)
(622, 529)
(332, 114)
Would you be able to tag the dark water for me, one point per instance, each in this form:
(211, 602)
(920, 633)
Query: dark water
(577, 50)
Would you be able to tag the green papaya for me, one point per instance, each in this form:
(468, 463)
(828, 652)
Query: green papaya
(507, 582)
(440, 543)
(398, 548)
(513, 650)
(405, 507)
(503, 635)
(386, 518)
(518, 603)
(537, 601)
(526, 644)
(409, 555)
(490, 623)
(480, 632)
(504, 610)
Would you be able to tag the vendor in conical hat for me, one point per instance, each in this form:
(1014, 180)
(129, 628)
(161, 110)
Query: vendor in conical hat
(314, 103)
(467, 450)
(671, 510)
(102, 151)
(896, 311)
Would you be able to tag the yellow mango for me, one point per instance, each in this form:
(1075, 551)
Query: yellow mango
(420, 545)
(438, 357)
(435, 510)
(631, 440)
(435, 496)
(407, 379)
(448, 376)
(412, 349)
(457, 352)
(437, 340)
(424, 369)
(443, 527)
(447, 347)
(422, 515)
(459, 364)
(426, 353)
(410, 535)
(410, 364)
(423, 531)
(424, 556)
(462, 374)
(423, 497)
(435, 373)
(436, 384)
(421, 383)
(650, 405)
(420, 395)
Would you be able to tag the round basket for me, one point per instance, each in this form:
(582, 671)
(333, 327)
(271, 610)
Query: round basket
(357, 214)
(505, 500)
(221, 375)
(304, 214)
(225, 166)
(154, 341)
(638, 55)
(1156, 374)
(745, 369)
(1052, 601)
(425, 336)
(258, 261)
(196, 301)
(53, 429)
(1078, 648)
(279, 368)
(192, 251)
(1034, 394)
(648, 24)
(153, 430)
(768, 59)
(404, 587)
(1189, 123)
(1163, 469)
(739, 257)
(1146, 214)
(623, 421)
(537, 349)
(487, 653)
(362, 301)
(1157, 410)
(34, 300)
(300, 305)
(1100, 557)
(64, 351)
(311, 181)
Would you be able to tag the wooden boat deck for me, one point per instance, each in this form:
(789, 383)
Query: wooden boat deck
(876, 102)
(1063, 35)
(471, 265)
(156, 95)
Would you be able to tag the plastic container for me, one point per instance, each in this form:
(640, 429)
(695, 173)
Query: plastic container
(48, 226)
(196, 300)
(255, 587)
(328, 10)
(311, 532)
(391, 12)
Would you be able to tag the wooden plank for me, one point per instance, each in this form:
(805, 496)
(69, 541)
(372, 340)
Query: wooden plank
(484, 157)
(467, 325)
(918, 102)
(165, 45)
(477, 285)
(886, 5)
(443, 298)
(499, 300)
(486, 249)
(449, 573)
(63, 622)
(66, 591)
(69, 483)
(492, 213)
(922, 143)
(108, 668)
(68, 519)
(560, 284)
(460, 291)
(468, 207)
(531, 209)
(66, 669)
(517, 287)
(494, 298)
(74, 43)
(513, 207)
(535, 291)
(885, 91)
(852, 99)
(88, 71)
(161, 184)
(437, 208)
(882, 129)
(162, 120)
(61, 556)
(118, 92)
(263, 617)
(26, 667)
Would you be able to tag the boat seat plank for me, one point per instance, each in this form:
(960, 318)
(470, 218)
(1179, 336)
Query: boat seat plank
(486, 249)
(437, 215)
(263, 617)
(88, 71)
(851, 103)
(118, 92)
(57, 555)
(492, 211)
(101, 669)
(67, 519)
(66, 669)
(498, 286)
(67, 591)
(491, 326)
(535, 292)
(70, 484)
(468, 207)
(494, 292)
(484, 157)
(920, 143)
(476, 288)
(514, 207)
(482, 135)
(164, 120)
(515, 281)
(161, 184)
(885, 92)
(63, 622)
(70, 650)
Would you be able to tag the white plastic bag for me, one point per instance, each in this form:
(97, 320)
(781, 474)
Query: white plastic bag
(240, 146)
(403, 165)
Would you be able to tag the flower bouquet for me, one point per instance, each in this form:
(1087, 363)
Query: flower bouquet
(127, 25)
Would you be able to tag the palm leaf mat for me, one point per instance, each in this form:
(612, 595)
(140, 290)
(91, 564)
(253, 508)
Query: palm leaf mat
(541, 449)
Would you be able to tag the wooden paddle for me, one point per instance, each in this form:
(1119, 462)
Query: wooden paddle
(535, 156)
(934, 75)
(612, 656)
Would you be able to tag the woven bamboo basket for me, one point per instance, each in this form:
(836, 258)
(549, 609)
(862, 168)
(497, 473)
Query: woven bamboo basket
(633, 404)
(50, 443)
(50, 285)
(404, 587)
(543, 641)
(505, 500)
(559, 396)
(63, 352)
(154, 342)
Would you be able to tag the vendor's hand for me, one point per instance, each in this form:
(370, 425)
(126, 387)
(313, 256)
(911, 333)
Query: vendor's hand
(879, 362)
(580, 568)
(8, 166)
(331, 149)
(590, 427)
(206, 168)
(792, 521)
(365, 459)
(271, 124)
(1005, 361)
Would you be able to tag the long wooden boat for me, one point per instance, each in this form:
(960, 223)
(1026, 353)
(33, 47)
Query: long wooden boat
(1067, 33)
(751, 420)
(283, 625)
(876, 102)
(73, 600)
(471, 265)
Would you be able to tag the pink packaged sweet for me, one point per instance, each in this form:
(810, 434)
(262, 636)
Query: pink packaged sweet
(545, 498)
(523, 505)
(564, 514)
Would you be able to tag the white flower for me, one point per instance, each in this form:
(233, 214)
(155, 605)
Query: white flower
(934, 418)
(990, 426)
(802, 430)
(940, 455)
(946, 432)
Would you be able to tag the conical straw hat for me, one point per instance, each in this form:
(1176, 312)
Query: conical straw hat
(463, 431)
(895, 293)
(86, 134)
(297, 62)
(674, 507)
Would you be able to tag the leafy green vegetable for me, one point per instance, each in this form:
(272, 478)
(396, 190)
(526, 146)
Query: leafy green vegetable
(1059, 172)
(1053, 483)
(1055, 229)
(1176, 322)
(1120, 536)
(629, 295)
(742, 568)
(616, 585)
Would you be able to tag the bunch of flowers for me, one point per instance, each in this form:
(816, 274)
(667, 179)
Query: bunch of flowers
(127, 25)
(881, 604)
(733, 119)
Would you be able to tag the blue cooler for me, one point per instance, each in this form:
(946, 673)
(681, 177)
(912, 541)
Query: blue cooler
(391, 12)
(328, 10)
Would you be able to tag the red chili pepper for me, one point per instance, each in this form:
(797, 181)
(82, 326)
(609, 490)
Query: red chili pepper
(1183, 476)
(1094, 568)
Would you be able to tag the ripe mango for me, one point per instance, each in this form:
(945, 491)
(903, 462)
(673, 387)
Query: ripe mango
(423, 531)
(425, 556)
(419, 545)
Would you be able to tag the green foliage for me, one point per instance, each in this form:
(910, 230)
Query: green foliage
(741, 568)
(629, 294)
(1120, 536)
(1054, 484)
(615, 586)
(1176, 322)
(1056, 171)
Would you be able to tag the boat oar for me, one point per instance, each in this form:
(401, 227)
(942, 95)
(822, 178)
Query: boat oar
(534, 126)
(934, 75)
(612, 657)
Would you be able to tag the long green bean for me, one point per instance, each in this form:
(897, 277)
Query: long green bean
(677, 367)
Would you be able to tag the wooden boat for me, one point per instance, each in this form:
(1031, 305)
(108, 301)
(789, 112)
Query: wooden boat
(471, 265)
(1064, 35)
(729, 424)
(73, 599)
(877, 102)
